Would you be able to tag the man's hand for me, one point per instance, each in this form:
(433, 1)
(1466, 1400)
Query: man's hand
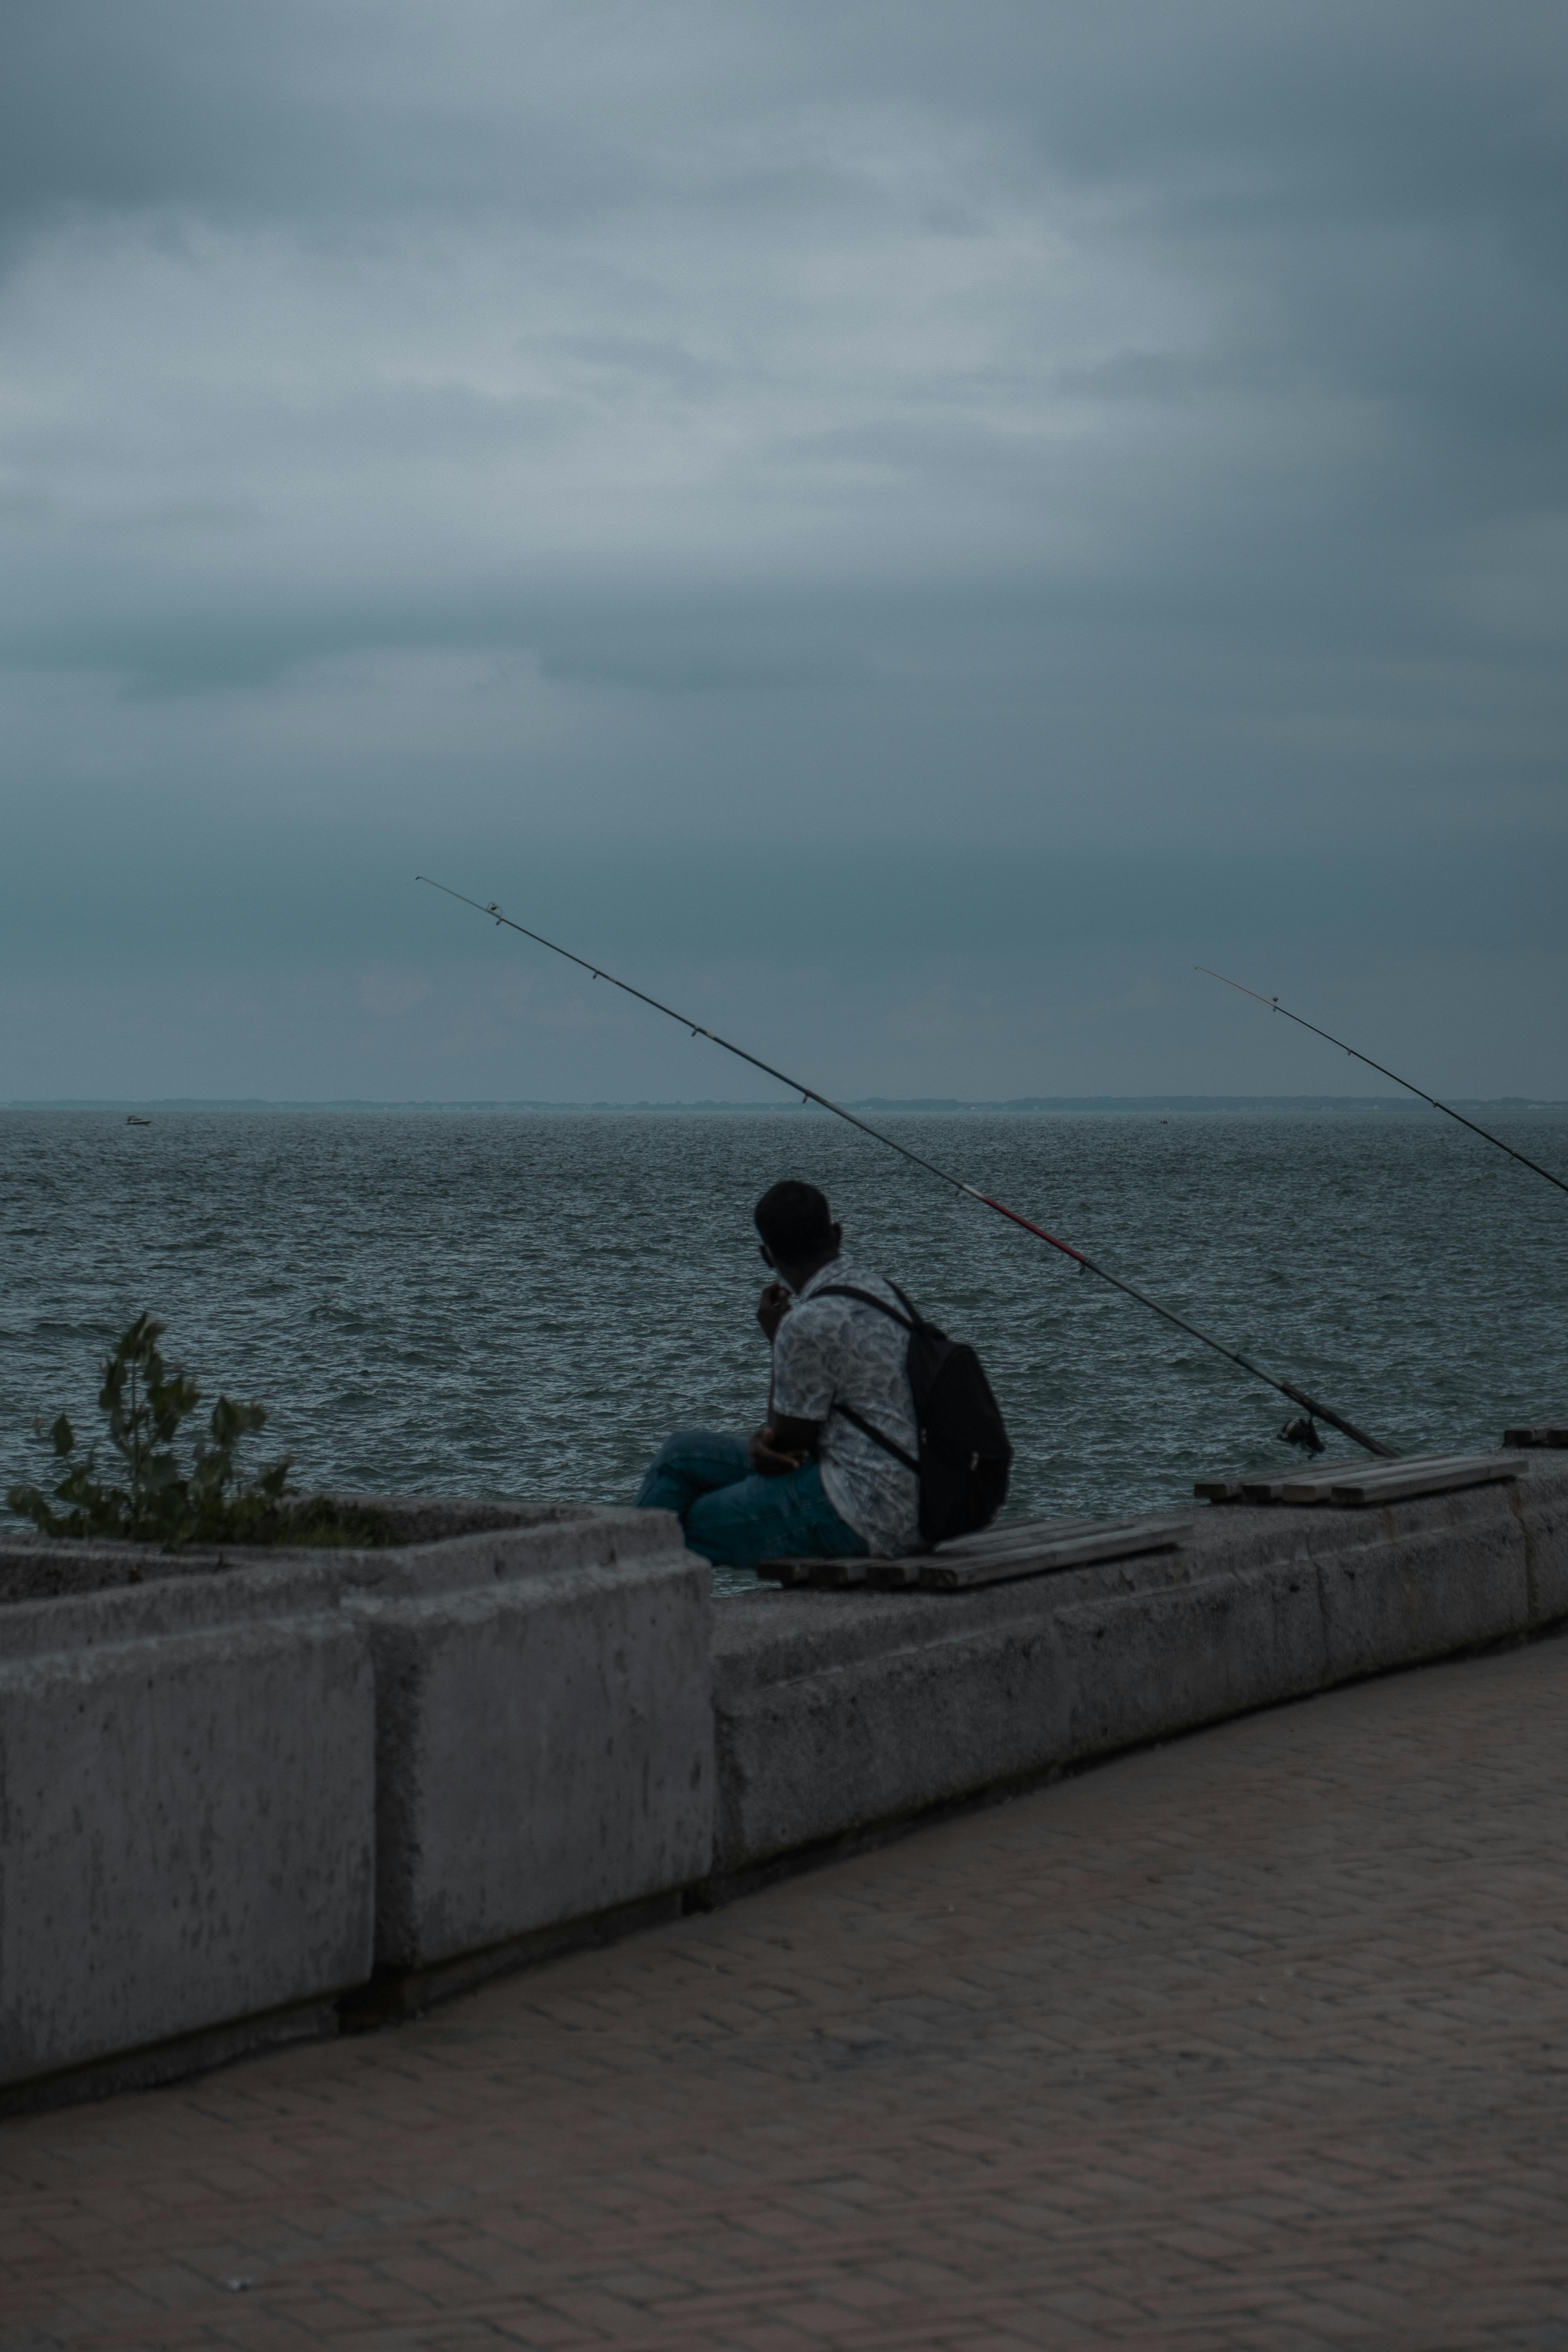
(771, 1307)
(765, 1458)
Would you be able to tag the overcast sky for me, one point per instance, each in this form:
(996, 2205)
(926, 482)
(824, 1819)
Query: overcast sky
(907, 525)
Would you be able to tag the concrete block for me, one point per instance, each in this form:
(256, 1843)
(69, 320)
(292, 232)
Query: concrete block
(544, 1736)
(186, 1827)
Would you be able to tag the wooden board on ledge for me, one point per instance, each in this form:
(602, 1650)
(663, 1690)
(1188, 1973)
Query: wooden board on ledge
(1026, 1548)
(1355, 1486)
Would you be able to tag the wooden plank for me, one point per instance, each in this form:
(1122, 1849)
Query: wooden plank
(1272, 1490)
(787, 1571)
(940, 1572)
(1036, 1547)
(1012, 1533)
(833, 1573)
(1033, 1541)
(1481, 1470)
(1421, 1474)
(1316, 1486)
(1552, 1432)
(827, 1575)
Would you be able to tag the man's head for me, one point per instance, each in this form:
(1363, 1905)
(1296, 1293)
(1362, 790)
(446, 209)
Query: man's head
(797, 1229)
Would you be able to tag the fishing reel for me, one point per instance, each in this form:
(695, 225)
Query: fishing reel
(1303, 1432)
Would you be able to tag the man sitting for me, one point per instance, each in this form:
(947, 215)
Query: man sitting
(809, 1482)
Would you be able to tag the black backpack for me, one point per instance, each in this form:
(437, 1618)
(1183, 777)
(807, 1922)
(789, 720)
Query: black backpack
(964, 1453)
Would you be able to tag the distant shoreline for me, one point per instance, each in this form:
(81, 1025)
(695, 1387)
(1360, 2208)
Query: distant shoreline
(1130, 1106)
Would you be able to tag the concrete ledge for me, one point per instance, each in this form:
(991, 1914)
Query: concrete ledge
(248, 1796)
(837, 1711)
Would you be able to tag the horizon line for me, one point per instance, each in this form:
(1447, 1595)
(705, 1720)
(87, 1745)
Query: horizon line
(930, 1103)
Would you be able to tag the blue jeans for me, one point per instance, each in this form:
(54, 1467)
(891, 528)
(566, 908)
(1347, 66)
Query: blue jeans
(732, 1516)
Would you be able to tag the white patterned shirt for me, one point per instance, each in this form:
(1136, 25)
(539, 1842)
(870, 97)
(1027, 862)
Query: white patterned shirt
(829, 1350)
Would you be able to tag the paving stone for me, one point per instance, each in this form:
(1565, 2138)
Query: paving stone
(1256, 2042)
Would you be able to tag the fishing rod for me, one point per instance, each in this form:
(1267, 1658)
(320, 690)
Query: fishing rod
(1298, 1433)
(1485, 1133)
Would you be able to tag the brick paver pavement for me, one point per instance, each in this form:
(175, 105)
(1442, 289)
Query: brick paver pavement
(1258, 2040)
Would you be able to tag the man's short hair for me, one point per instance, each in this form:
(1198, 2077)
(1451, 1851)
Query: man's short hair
(793, 1220)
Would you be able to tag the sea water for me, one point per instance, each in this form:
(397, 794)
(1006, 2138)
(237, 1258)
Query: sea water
(524, 1304)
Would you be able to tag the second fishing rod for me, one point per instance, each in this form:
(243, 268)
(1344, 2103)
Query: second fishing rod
(1384, 1072)
(1298, 1433)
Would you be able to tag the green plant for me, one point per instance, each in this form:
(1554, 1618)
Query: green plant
(145, 1401)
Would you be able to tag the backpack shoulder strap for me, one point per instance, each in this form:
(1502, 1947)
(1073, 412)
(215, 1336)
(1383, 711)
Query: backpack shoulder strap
(869, 1429)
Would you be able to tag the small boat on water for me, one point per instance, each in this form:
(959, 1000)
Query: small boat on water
(136, 1120)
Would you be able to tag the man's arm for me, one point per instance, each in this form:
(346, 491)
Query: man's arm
(771, 1307)
(787, 1440)
(783, 1444)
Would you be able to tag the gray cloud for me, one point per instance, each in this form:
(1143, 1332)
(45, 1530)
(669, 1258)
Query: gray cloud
(1006, 438)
